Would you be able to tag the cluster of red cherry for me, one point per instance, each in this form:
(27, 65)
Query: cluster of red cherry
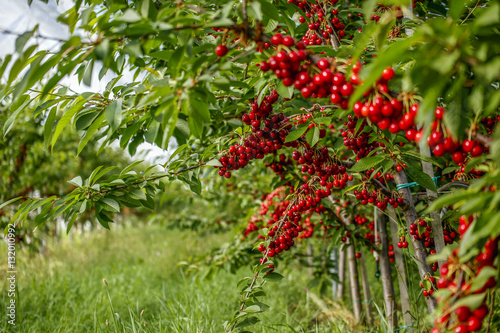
(428, 286)
(321, 23)
(358, 141)
(376, 198)
(269, 133)
(279, 165)
(380, 177)
(318, 162)
(460, 279)
(422, 231)
(402, 244)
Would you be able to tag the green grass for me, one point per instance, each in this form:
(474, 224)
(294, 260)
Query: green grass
(64, 291)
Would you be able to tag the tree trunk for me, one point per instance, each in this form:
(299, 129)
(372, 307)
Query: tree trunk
(385, 270)
(342, 280)
(366, 288)
(353, 275)
(400, 267)
(310, 259)
(418, 248)
(334, 271)
(437, 227)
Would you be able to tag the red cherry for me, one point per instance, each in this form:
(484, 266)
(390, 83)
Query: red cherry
(397, 106)
(277, 39)
(323, 63)
(358, 255)
(442, 283)
(384, 124)
(462, 329)
(410, 134)
(438, 150)
(439, 112)
(475, 324)
(418, 136)
(306, 92)
(221, 50)
(449, 145)
(462, 313)
(346, 89)
(462, 228)
(355, 79)
(264, 66)
(394, 127)
(365, 110)
(335, 98)
(387, 109)
(288, 41)
(468, 145)
(435, 138)
(414, 109)
(476, 151)
(457, 157)
(480, 312)
(356, 67)
(388, 73)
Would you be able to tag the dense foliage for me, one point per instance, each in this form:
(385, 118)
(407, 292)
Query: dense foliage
(346, 117)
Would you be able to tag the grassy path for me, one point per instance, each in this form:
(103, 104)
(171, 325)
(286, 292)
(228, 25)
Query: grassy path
(64, 292)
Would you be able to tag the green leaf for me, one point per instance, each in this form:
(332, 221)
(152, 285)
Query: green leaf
(421, 178)
(252, 309)
(94, 178)
(481, 279)
(129, 16)
(368, 162)
(474, 162)
(471, 301)
(176, 152)
(129, 167)
(71, 222)
(102, 49)
(77, 181)
(419, 156)
(90, 131)
(248, 322)
(113, 114)
(198, 108)
(23, 39)
(323, 120)
(10, 121)
(284, 91)
(299, 131)
(66, 118)
(270, 10)
(214, 162)
(103, 219)
(312, 136)
(11, 201)
(87, 75)
(110, 204)
(457, 7)
(137, 194)
(48, 130)
(273, 277)
(448, 170)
